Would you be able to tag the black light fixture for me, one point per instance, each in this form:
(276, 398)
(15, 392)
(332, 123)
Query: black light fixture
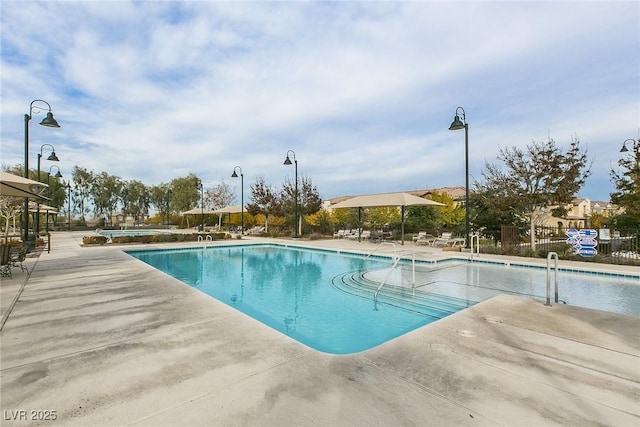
(287, 162)
(458, 124)
(624, 148)
(235, 175)
(52, 157)
(48, 121)
(69, 206)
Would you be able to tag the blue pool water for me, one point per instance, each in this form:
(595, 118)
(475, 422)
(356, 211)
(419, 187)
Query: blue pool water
(118, 233)
(325, 299)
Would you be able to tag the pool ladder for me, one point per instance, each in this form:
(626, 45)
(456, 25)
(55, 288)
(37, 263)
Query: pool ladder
(396, 259)
(208, 239)
(474, 237)
(552, 255)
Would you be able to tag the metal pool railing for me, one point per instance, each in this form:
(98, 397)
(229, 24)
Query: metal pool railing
(552, 255)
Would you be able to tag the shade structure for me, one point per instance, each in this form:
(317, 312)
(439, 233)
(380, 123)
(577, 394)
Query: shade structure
(33, 207)
(17, 186)
(230, 209)
(386, 200)
(198, 211)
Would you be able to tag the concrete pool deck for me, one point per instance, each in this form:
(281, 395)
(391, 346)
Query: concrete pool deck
(98, 338)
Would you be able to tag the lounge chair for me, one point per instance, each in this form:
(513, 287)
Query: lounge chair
(256, 230)
(447, 239)
(424, 238)
(351, 235)
(340, 234)
(443, 240)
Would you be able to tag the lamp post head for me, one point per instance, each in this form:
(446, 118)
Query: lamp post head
(624, 148)
(58, 174)
(287, 161)
(53, 157)
(456, 124)
(234, 174)
(49, 121)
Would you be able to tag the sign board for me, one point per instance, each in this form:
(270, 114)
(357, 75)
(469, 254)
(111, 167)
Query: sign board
(584, 242)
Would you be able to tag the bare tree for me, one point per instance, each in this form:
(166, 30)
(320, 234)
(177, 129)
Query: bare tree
(220, 196)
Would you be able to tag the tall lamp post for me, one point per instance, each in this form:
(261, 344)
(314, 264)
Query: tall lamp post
(48, 121)
(57, 175)
(201, 187)
(287, 162)
(69, 206)
(458, 124)
(635, 150)
(167, 205)
(235, 175)
(53, 158)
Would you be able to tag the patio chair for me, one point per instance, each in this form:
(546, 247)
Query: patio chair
(16, 259)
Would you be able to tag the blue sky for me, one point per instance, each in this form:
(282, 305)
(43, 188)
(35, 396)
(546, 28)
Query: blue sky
(362, 92)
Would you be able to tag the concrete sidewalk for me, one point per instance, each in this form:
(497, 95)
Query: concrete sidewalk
(98, 338)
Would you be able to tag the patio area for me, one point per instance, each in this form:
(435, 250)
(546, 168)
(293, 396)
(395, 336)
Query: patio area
(95, 337)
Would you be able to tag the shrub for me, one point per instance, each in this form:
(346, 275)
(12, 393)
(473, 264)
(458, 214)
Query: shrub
(94, 240)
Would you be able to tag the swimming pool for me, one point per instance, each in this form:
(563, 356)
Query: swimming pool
(325, 299)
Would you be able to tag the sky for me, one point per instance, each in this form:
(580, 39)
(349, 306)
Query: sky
(363, 93)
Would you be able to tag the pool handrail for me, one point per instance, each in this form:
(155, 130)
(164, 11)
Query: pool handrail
(379, 246)
(476, 237)
(396, 259)
(552, 255)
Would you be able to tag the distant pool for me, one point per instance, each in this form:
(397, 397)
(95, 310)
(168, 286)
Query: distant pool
(325, 299)
(121, 233)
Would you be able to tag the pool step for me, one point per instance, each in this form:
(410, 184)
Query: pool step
(426, 303)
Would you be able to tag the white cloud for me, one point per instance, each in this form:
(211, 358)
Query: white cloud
(363, 92)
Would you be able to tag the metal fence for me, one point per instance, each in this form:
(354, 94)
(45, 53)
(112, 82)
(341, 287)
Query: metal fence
(601, 245)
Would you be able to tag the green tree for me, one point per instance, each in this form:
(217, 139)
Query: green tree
(82, 194)
(135, 200)
(322, 220)
(57, 192)
(160, 197)
(627, 184)
(185, 193)
(451, 215)
(382, 217)
(309, 201)
(345, 218)
(542, 176)
(106, 190)
(420, 218)
(264, 200)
